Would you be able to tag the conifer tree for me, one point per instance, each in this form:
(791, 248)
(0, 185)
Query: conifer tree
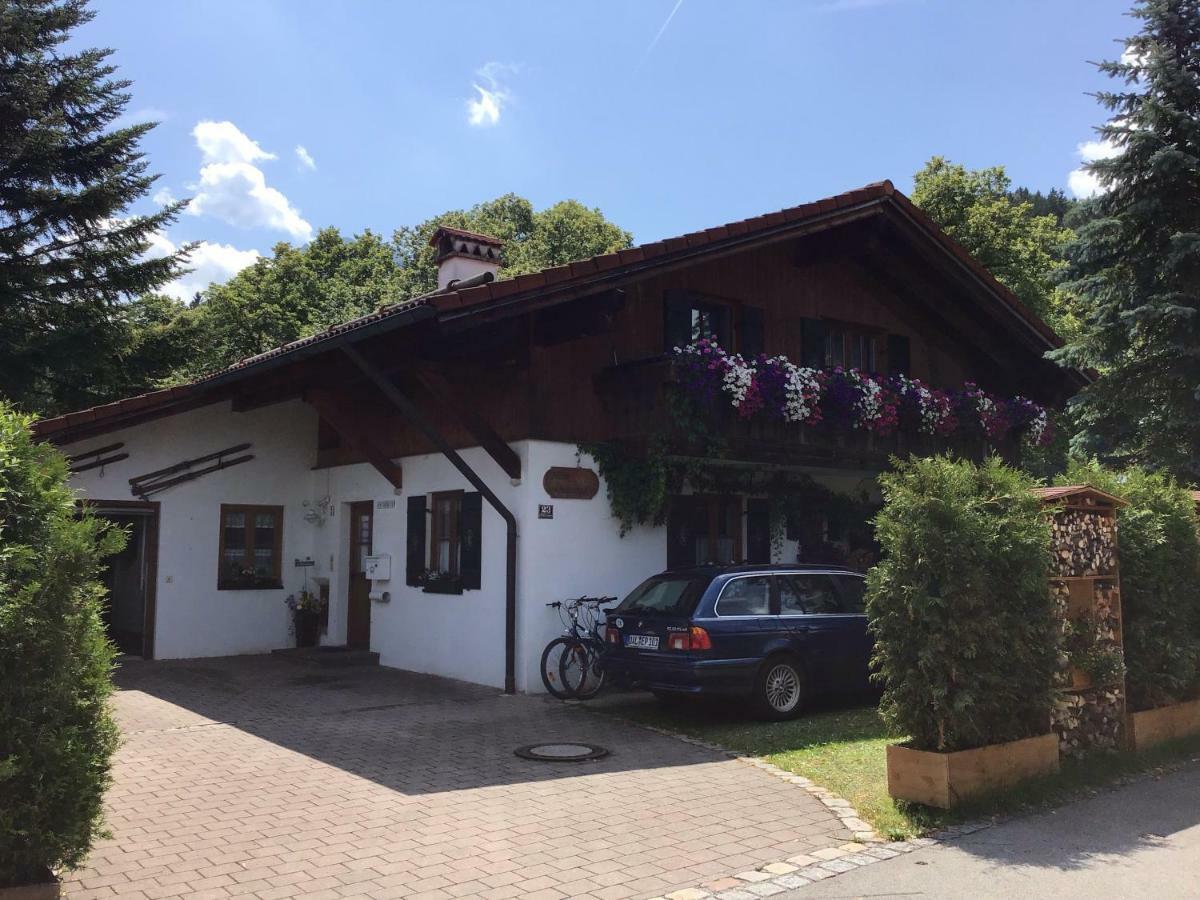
(1135, 262)
(70, 253)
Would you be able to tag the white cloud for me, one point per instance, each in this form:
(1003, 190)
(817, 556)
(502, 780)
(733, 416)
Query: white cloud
(223, 142)
(1081, 183)
(234, 190)
(163, 196)
(305, 158)
(485, 110)
(209, 263)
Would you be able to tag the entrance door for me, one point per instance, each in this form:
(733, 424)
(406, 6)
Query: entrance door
(358, 607)
(127, 611)
(703, 530)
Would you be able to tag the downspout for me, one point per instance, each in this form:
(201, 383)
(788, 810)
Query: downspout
(422, 424)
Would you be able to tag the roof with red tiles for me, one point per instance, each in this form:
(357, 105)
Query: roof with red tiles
(467, 235)
(581, 276)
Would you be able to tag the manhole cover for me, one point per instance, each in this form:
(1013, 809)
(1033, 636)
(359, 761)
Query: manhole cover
(561, 752)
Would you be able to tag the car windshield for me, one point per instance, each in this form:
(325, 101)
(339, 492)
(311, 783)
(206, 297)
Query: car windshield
(664, 594)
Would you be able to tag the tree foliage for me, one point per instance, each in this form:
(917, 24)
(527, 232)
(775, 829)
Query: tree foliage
(1023, 250)
(559, 234)
(56, 734)
(1135, 264)
(960, 606)
(295, 292)
(1159, 553)
(69, 254)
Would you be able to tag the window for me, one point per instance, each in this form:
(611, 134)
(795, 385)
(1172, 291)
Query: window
(664, 594)
(853, 591)
(443, 546)
(691, 317)
(850, 349)
(704, 530)
(750, 596)
(445, 551)
(251, 547)
(808, 595)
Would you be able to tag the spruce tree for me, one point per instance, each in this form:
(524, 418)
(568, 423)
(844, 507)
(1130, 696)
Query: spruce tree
(1135, 263)
(69, 252)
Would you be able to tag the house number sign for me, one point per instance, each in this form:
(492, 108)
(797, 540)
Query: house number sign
(545, 510)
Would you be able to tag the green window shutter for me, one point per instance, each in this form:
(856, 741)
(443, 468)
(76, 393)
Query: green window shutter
(752, 339)
(898, 354)
(414, 566)
(812, 337)
(470, 534)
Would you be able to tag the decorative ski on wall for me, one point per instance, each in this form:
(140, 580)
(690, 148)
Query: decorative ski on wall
(145, 486)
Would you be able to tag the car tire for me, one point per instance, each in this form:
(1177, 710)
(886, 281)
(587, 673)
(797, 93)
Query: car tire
(779, 689)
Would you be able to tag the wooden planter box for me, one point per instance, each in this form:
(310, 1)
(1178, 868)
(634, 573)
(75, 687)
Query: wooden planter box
(945, 780)
(1156, 726)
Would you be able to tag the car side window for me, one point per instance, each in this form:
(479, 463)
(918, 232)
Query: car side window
(750, 596)
(808, 594)
(853, 591)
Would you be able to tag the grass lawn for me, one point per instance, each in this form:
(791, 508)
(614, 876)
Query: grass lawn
(841, 748)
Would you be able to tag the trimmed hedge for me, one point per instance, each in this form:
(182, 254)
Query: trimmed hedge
(1159, 558)
(960, 606)
(56, 734)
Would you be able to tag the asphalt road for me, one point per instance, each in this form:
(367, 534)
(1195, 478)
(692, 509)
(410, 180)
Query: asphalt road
(1141, 840)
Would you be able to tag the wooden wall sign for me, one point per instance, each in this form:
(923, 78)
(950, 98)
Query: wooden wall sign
(565, 483)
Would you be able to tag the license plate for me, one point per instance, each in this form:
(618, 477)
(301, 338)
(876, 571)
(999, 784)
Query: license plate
(644, 641)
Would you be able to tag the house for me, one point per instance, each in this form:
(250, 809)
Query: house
(421, 466)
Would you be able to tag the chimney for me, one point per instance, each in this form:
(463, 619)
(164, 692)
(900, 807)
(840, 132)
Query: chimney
(464, 254)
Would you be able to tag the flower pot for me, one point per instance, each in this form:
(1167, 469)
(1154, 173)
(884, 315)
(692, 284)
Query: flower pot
(47, 889)
(946, 780)
(308, 627)
(1167, 723)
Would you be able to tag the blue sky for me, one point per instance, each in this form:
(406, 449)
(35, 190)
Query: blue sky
(733, 109)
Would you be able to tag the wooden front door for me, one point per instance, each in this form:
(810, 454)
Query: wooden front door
(358, 608)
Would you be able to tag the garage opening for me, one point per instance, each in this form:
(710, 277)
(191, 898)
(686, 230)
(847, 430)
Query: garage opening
(128, 611)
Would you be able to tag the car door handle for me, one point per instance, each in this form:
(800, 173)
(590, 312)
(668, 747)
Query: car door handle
(803, 629)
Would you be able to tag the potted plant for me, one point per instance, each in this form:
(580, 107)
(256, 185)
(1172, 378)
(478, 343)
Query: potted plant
(965, 630)
(306, 608)
(435, 581)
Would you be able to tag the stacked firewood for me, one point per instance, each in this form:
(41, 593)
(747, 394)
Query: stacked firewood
(1084, 543)
(1088, 720)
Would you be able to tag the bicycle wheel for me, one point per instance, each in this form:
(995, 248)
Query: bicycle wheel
(581, 669)
(552, 667)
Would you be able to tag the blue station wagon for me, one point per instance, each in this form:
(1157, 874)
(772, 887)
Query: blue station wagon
(774, 634)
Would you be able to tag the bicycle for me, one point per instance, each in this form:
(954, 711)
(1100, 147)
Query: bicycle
(572, 665)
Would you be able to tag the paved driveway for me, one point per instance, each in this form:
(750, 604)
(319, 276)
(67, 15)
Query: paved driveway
(255, 776)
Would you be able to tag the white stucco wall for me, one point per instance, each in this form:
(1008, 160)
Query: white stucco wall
(193, 618)
(578, 551)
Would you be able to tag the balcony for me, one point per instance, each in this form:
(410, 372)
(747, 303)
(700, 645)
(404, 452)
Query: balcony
(637, 398)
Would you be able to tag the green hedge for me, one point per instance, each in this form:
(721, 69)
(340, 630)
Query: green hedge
(56, 734)
(960, 606)
(1159, 558)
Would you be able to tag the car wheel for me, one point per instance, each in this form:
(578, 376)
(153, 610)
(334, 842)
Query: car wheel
(779, 690)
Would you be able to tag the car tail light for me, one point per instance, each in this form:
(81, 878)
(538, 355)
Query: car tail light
(695, 638)
(612, 635)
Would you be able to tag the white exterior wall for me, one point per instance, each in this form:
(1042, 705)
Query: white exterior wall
(578, 551)
(192, 617)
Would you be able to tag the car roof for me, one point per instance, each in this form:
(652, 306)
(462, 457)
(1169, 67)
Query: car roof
(714, 571)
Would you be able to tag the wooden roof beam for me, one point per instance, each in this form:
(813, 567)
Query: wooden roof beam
(333, 407)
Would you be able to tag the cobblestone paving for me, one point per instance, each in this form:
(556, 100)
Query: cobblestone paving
(254, 776)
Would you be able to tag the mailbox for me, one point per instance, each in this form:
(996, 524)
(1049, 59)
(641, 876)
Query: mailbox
(378, 568)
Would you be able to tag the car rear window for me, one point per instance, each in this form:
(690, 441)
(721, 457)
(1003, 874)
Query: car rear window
(664, 594)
